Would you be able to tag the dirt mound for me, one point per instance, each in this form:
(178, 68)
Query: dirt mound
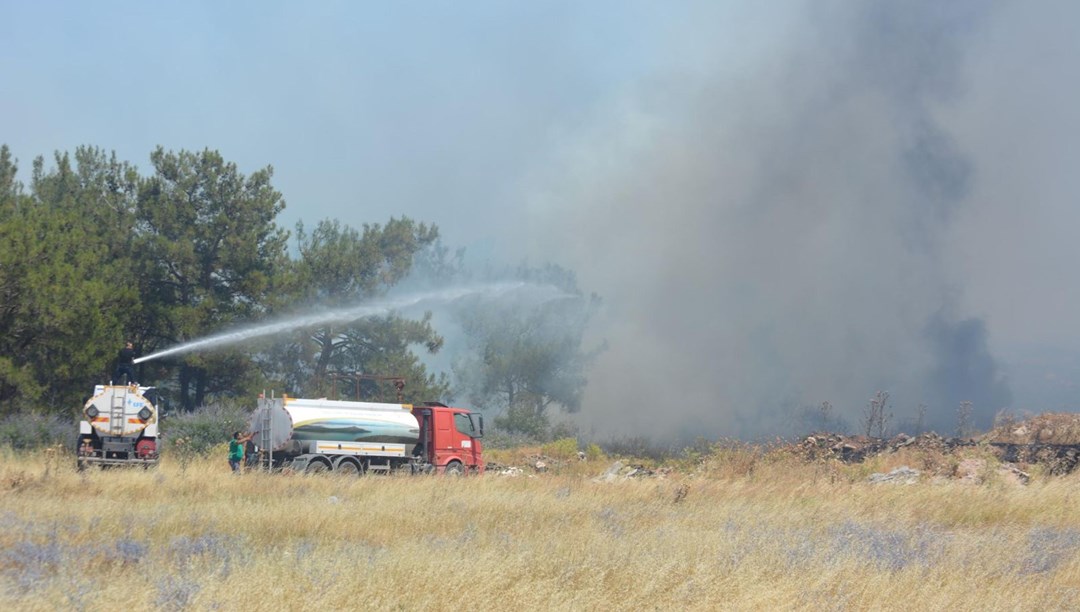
(1051, 440)
(1050, 428)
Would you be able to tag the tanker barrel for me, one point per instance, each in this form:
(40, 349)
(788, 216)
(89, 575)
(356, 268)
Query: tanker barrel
(299, 420)
(271, 424)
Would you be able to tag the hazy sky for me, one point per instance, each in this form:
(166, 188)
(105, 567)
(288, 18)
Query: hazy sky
(782, 203)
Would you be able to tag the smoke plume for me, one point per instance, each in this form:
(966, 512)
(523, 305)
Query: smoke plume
(768, 241)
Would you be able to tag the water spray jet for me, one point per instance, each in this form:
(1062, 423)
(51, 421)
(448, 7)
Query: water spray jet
(341, 315)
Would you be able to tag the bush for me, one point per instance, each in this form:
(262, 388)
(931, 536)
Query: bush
(199, 431)
(593, 452)
(32, 430)
(496, 438)
(641, 448)
(563, 448)
(523, 420)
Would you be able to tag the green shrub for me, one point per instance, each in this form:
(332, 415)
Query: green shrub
(32, 430)
(199, 431)
(593, 452)
(563, 448)
(524, 420)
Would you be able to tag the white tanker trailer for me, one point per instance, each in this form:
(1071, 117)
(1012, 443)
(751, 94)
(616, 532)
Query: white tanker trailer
(317, 435)
(119, 427)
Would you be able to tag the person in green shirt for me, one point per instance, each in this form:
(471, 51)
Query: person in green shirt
(236, 450)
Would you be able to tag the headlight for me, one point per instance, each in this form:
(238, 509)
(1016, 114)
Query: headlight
(144, 414)
(92, 412)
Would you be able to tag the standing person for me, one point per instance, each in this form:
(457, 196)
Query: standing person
(236, 450)
(125, 364)
(250, 452)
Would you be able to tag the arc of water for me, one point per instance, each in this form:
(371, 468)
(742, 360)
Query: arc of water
(329, 316)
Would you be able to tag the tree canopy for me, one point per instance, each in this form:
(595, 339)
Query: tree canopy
(209, 253)
(93, 252)
(342, 266)
(64, 291)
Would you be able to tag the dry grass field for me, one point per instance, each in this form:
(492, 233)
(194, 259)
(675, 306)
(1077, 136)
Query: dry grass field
(732, 531)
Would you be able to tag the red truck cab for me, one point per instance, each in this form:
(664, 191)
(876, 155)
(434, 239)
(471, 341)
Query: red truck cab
(450, 438)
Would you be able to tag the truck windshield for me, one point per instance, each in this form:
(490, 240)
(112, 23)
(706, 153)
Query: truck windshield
(463, 424)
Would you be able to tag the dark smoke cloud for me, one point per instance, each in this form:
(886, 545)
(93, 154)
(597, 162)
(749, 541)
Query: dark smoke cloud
(964, 370)
(773, 240)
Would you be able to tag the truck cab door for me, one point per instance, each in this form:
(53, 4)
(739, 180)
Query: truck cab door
(442, 436)
(468, 436)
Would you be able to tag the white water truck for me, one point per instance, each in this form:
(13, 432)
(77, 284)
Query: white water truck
(119, 427)
(352, 438)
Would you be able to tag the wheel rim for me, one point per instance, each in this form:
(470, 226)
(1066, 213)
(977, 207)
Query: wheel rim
(348, 468)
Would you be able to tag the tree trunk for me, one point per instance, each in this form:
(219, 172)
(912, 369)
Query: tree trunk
(185, 385)
(326, 352)
(200, 386)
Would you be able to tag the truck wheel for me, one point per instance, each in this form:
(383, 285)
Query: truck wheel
(348, 469)
(454, 468)
(317, 467)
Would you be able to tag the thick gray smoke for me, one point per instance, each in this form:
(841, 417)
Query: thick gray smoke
(768, 241)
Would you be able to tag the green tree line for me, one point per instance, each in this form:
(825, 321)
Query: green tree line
(94, 252)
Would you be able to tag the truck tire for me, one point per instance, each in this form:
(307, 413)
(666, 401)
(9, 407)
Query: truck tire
(454, 468)
(317, 466)
(348, 469)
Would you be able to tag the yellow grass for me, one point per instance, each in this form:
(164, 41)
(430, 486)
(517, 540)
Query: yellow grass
(771, 534)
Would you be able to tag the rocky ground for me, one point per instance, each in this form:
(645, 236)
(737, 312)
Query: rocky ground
(1010, 451)
(1049, 440)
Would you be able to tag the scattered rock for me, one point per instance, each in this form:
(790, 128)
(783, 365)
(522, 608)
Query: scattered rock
(901, 475)
(611, 474)
(1013, 475)
(618, 471)
(1047, 428)
(901, 440)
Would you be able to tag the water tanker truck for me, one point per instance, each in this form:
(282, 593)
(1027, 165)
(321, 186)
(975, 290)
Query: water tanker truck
(119, 427)
(321, 435)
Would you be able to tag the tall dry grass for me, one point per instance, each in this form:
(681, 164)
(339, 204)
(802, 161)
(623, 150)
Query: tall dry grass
(735, 531)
